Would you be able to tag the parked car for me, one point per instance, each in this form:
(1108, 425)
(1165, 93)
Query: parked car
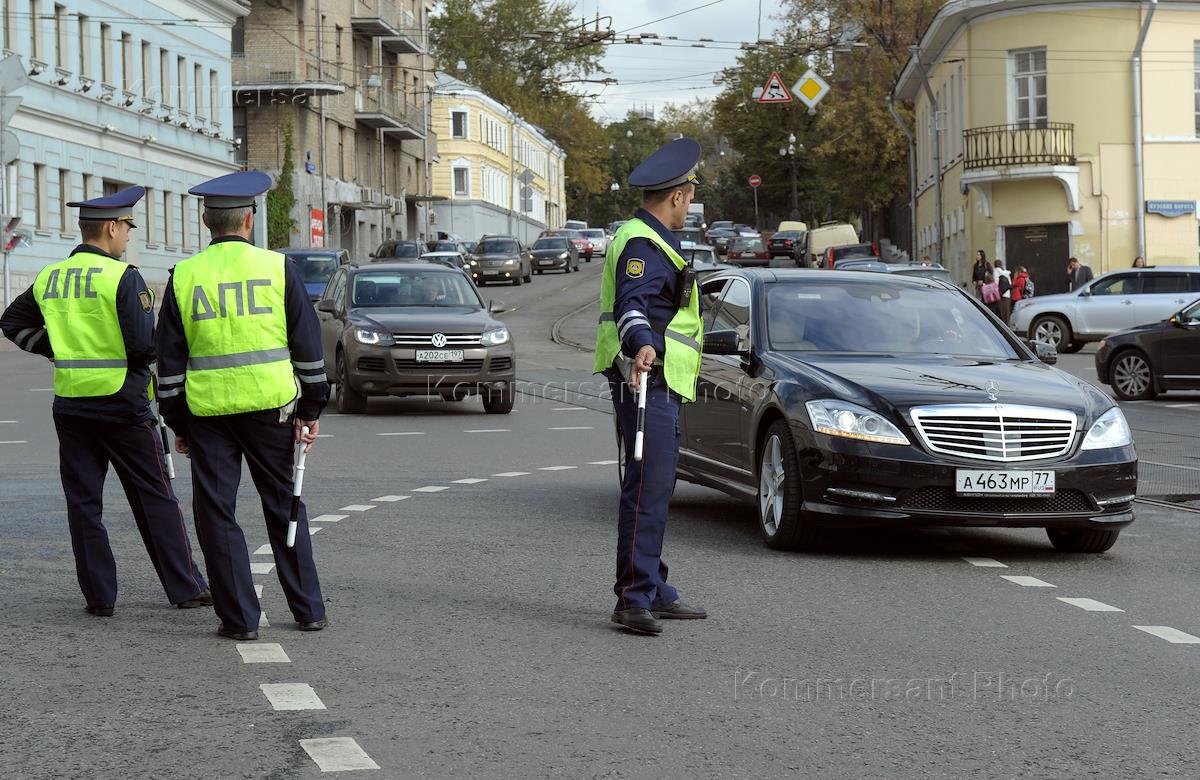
(582, 244)
(927, 412)
(818, 239)
(746, 231)
(786, 243)
(693, 235)
(316, 266)
(613, 227)
(720, 237)
(404, 250)
(847, 251)
(697, 253)
(447, 245)
(1113, 302)
(744, 251)
(1149, 359)
(723, 224)
(792, 225)
(861, 264)
(502, 259)
(598, 241)
(448, 259)
(554, 252)
(575, 224)
(414, 329)
(932, 271)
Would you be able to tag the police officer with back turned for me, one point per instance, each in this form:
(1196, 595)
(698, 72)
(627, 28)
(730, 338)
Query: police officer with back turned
(92, 315)
(649, 312)
(237, 337)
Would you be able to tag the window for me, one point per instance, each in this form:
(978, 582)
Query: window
(164, 76)
(8, 26)
(85, 46)
(237, 37)
(106, 74)
(710, 294)
(458, 124)
(146, 69)
(1161, 284)
(181, 84)
(462, 181)
(198, 88)
(1123, 284)
(127, 62)
(734, 313)
(35, 24)
(1029, 87)
(214, 98)
(60, 36)
(39, 196)
(1196, 83)
(64, 195)
(151, 234)
(168, 231)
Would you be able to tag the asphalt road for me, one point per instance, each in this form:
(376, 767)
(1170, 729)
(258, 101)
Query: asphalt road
(468, 578)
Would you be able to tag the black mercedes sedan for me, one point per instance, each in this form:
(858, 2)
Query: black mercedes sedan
(1142, 362)
(838, 398)
(406, 329)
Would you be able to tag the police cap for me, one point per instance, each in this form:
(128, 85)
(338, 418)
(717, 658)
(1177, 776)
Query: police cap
(118, 206)
(670, 166)
(233, 190)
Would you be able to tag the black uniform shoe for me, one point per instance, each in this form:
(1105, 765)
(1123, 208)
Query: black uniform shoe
(229, 633)
(677, 610)
(102, 610)
(639, 620)
(202, 600)
(312, 625)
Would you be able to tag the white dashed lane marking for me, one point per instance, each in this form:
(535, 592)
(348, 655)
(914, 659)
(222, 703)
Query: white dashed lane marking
(261, 567)
(357, 508)
(388, 499)
(328, 518)
(337, 754)
(1168, 465)
(987, 562)
(258, 591)
(1091, 605)
(511, 474)
(8, 422)
(1181, 406)
(312, 531)
(402, 433)
(602, 463)
(574, 428)
(570, 409)
(14, 441)
(292, 696)
(264, 550)
(430, 489)
(489, 430)
(263, 653)
(41, 389)
(1172, 635)
(556, 468)
(262, 620)
(469, 481)
(1028, 582)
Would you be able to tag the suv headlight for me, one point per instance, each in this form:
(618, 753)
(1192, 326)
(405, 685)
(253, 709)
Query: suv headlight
(564, 256)
(840, 418)
(495, 337)
(1108, 432)
(511, 261)
(374, 337)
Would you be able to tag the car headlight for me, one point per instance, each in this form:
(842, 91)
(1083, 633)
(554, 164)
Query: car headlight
(1108, 432)
(374, 337)
(473, 261)
(563, 256)
(495, 337)
(840, 418)
(511, 261)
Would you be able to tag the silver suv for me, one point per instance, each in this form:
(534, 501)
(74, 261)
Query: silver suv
(1112, 302)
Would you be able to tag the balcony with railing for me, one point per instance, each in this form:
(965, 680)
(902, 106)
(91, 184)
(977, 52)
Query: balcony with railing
(376, 18)
(1007, 146)
(286, 72)
(381, 108)
(411, 40)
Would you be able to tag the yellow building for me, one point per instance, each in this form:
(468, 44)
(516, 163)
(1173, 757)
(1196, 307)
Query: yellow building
(498, 173)
(1054, 138)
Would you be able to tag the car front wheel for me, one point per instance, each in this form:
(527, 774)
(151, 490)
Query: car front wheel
(1082, 540)
(1131, 377)
(780, 522)
(498, 400)
(349, 401)
(1052, 329)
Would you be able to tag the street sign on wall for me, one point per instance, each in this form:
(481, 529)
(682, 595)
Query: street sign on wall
(316, 236)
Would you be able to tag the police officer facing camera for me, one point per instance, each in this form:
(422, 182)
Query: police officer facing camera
(649, 313)
(237, 336)
(92, 315)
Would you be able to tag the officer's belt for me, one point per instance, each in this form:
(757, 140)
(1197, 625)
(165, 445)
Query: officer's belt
(662, 329)
(239, 359)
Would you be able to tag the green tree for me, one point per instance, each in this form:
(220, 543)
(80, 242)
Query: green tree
(281, 199)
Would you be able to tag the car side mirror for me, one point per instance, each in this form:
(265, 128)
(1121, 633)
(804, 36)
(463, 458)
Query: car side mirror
(372, 255)
(1086, 292)
(496, 307)
(723, 342)
(1045, 351)
(329, 305)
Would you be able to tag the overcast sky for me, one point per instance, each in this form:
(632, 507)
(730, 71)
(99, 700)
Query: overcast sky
(640, 69)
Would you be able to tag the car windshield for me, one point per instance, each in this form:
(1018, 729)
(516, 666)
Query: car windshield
(875, 317)
(723, 231)
(444, 246)
(406, 250)
(551, 243)
(593, 233)
(413, 288)
(315, 269)
(786, 234)
(746, 244)
(853, 250)
(698, 255)
(497, 247)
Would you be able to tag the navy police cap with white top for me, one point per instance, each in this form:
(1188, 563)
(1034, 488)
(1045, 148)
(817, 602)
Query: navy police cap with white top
(670, 166)
(233, 190)
(118, 206)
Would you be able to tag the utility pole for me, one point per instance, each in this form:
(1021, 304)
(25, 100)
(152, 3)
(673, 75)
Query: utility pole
(321, 115)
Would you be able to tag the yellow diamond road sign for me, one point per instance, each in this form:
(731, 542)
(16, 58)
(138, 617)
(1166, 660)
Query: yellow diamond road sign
(810, 88)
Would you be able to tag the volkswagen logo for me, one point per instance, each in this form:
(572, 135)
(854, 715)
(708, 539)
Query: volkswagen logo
(992, 389)
(439, 341)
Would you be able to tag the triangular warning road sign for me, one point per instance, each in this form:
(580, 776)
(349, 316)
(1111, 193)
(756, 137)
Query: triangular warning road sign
(774, 91)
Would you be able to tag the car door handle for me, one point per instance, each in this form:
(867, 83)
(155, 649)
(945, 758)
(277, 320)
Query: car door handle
(1127, 302)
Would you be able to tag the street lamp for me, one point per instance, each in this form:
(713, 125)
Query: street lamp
(790, 153)
(614, 188)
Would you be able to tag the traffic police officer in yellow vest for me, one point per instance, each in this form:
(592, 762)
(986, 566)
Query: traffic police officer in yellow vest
(237, 337)
(649, 313)
(93, 316)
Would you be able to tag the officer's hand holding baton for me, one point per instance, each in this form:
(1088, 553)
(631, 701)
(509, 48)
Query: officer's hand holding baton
(641, 365)
(298, 484)
(162, 427)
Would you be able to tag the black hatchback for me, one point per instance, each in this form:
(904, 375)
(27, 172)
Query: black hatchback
(834, 398)
(1142, 362)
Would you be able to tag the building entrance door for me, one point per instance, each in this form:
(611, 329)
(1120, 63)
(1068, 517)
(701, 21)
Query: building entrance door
(1043, 250)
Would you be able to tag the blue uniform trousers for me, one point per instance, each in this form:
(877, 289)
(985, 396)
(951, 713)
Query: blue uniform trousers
(217, 445)
(645, 492)
(86, 448)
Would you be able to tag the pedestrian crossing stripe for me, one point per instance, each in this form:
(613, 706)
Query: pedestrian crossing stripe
(774, 91)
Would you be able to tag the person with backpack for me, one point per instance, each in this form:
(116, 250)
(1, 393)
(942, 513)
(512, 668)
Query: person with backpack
(1004, 281)
(1022, 284)
(990, 292)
